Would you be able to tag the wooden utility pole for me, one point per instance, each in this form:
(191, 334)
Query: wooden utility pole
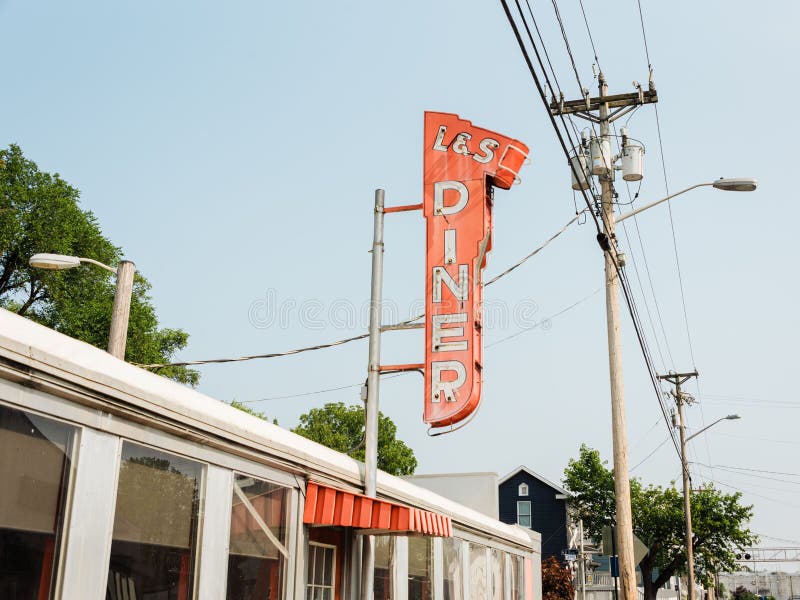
(118, 335)
(603, 104)
(678, 379)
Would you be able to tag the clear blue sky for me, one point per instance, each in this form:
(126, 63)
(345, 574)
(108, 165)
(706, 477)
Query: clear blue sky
(232, 150)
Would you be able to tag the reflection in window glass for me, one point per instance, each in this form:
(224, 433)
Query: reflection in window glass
(517, 577)
(496, 558)
(35, 459)
(155, 526)
(420, 559)
(258, 540)
(383, 567)
(321, 566)
(478, 588)
(451, 555)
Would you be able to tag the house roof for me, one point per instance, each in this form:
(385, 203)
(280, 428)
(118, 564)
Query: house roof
(535, 475)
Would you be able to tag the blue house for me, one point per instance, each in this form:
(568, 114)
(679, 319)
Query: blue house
(528, 499)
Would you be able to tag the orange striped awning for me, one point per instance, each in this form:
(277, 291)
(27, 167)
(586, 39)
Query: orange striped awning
(326, 505)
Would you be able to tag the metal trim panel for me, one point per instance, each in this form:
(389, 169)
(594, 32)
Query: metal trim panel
(215, 533)
(88, 535)
(50, 405)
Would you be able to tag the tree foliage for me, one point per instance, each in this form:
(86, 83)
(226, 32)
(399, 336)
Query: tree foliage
(719, 521)
(252, 411)
(556, 581)
(742, 593)
(40, 212)
(342, 428)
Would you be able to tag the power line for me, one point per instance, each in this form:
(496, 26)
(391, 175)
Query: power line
(755, 470)
(300, 395)
(646, 433)
(601, 237)
(644, 35)
(589, 31)
(545, 320)
(758, 439)
(566, 43)
(666, 439)
(537, 250)
(355, 337)
(638, 276)
(738, 489)
(672, 228)
(747, 474)
(352, 385)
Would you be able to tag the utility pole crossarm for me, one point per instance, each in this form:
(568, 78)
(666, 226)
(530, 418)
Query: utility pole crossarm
(678, 379)
(615, 101)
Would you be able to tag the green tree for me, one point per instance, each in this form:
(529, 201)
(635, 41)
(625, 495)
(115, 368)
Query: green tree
(742, 593)
(556, 581)
(719, 521)
(252, 411)
(39, 212)
(342, 428)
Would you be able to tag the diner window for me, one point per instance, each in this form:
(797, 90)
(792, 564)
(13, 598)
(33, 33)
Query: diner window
(524, 513)
(420, 561)
(451, 563)
(35, 466)
(523, 489)
(155, 526)
(258, 554)
(496, 560)
(384, 545)
(321, 569)
(478, 584)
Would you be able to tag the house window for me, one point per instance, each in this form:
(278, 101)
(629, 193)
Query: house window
(524, 513)
(523, 489)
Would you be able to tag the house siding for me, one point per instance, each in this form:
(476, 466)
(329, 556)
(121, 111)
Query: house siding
(548, 514)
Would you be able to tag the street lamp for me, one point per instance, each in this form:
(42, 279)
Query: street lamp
(122, 294)
(681, 398)
(618, 417)
(736, 184)
(728, 418)
(687, 487)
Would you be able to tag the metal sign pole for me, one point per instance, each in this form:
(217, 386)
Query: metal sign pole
(373, 387)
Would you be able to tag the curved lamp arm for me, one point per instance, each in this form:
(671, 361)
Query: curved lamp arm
(728, 418)
(737, 184)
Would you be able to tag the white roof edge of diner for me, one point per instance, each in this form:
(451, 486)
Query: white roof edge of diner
(46, 350)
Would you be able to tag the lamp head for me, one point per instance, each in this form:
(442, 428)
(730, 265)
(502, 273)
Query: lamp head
(736, 184)
(733, 417)
(53, 262)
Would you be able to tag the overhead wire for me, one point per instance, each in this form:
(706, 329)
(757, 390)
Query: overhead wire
(566, 43)
(636, 271)
(359, 384)
(608, 248)
(362, 336)
(656, 449)
(674, 236)
(589, 31)
(546, 319)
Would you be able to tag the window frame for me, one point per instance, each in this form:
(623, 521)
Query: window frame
(520, 492)
(311, 565)
(529, 515)
(92, 501)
